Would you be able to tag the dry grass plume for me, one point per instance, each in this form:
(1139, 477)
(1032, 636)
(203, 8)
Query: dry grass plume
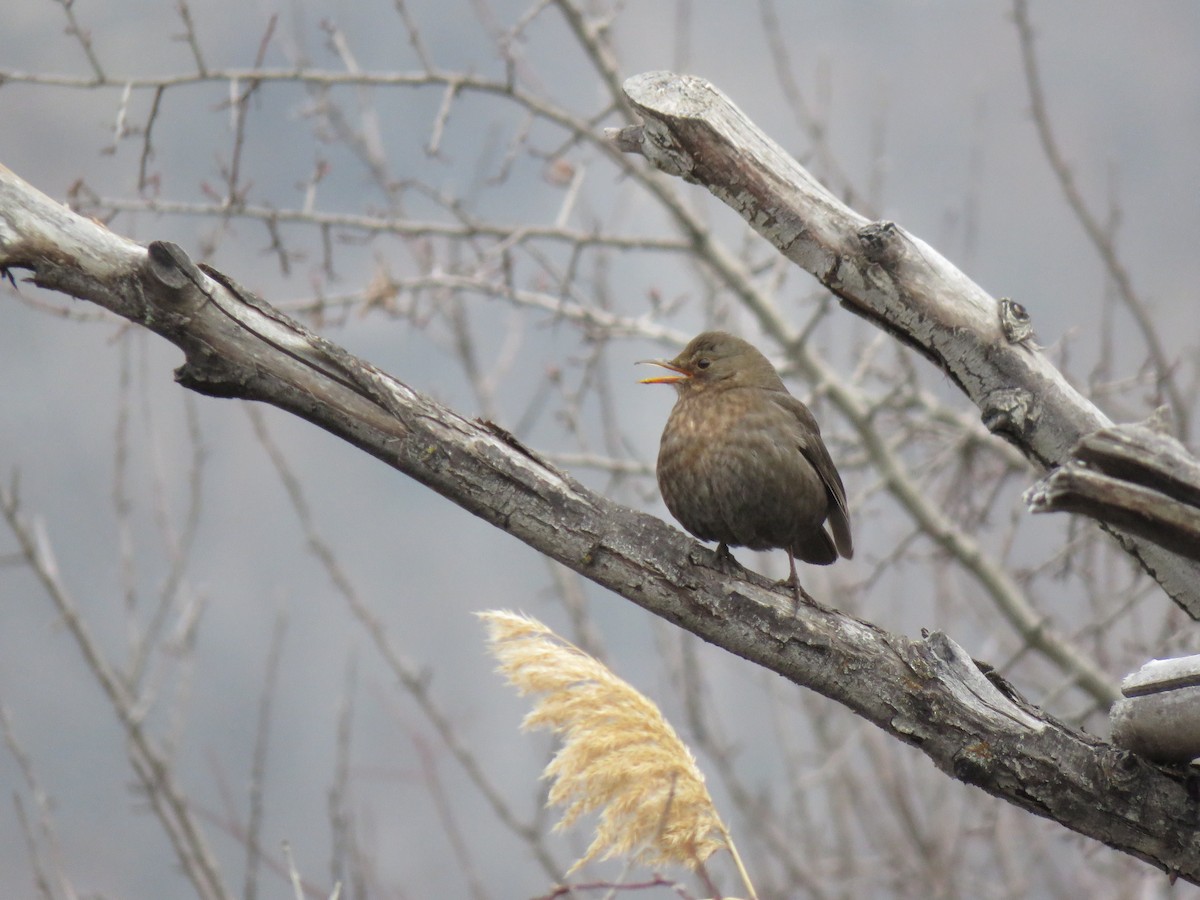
(619, 755)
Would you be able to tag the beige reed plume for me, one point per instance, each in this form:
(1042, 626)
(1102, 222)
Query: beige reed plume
(619, 755)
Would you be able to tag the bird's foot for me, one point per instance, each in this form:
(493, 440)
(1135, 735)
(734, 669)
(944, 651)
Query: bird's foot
(799, 594)
(724, 561)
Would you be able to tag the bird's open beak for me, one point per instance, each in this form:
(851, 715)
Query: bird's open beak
(663, 379)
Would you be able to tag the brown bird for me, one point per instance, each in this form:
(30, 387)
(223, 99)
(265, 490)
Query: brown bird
(742, 461)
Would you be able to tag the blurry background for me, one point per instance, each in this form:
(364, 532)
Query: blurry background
(452, 215)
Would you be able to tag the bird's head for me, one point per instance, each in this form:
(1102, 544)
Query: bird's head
(716, 360)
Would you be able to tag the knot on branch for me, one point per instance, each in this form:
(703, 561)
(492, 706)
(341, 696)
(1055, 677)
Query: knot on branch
(881, 243)
(1015, 321)
(1010, 413)
(664, 152)
(172, 279)
(967, 680)
(627, 139)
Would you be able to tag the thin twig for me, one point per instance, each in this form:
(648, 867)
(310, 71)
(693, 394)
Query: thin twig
(409, 676)
(169, 803)
(1094, 228)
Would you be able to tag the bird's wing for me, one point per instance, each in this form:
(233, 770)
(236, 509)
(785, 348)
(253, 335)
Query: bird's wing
(817, 454)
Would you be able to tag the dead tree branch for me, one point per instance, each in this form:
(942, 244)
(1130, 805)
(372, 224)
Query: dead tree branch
(1134, 477)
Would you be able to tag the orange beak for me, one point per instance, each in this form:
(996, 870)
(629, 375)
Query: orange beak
(663, 379)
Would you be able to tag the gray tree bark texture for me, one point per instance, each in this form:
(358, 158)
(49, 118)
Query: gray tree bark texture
(927, 693)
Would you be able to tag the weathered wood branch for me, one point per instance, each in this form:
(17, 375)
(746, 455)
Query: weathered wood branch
(886, 275)
(927, 693)
(1135, 477)
(1159, 716)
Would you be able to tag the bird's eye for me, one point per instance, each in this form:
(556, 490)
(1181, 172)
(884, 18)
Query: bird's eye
(703, 362)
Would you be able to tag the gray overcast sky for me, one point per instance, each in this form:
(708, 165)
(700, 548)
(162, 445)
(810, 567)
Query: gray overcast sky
(925, 100)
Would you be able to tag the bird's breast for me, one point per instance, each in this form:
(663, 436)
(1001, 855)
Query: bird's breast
(731, 468)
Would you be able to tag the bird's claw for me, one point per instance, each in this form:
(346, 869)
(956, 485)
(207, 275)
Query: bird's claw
(799, 594)
(724, 561)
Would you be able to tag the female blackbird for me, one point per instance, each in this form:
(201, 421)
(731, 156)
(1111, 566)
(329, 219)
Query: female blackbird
(742, 461)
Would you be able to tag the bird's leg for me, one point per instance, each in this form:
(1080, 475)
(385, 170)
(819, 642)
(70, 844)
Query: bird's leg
(725, 560)
(793, 581)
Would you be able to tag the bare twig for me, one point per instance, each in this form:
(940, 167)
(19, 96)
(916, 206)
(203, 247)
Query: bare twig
(84, 37)
(406, 673)
(1095, 228)
(258, 768)
(189, 35)
(168, 801)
